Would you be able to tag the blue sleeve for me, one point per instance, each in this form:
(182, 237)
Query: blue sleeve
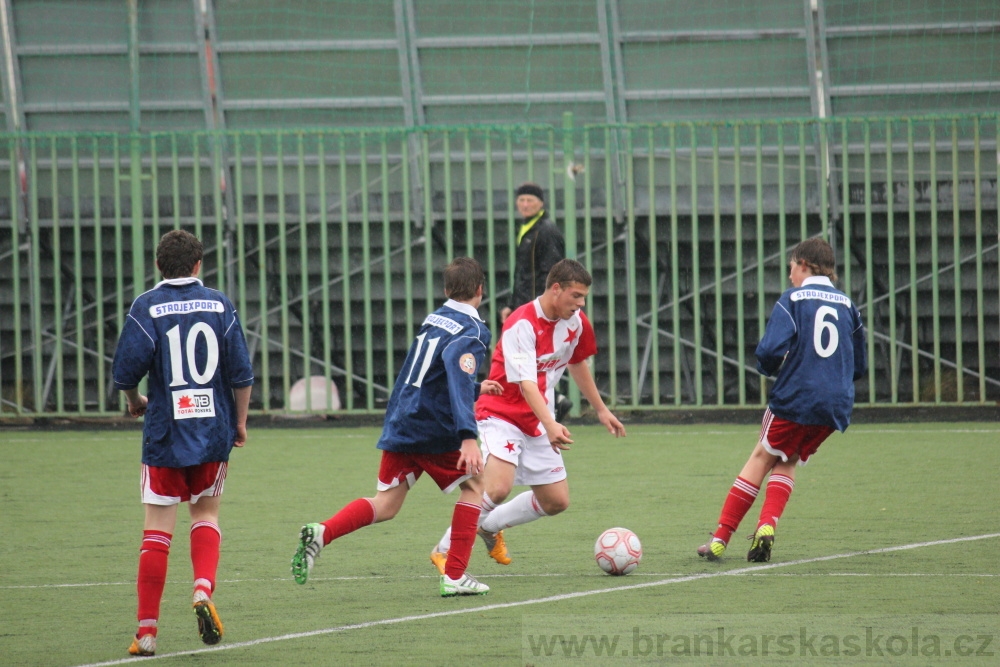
(778, 335)
(462, 387)
(133, 355)
(238, 364)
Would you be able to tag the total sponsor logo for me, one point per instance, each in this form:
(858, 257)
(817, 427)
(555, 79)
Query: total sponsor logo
(545, 365)
(194, 403)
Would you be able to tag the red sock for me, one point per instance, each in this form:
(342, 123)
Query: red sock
(205, 541)
(738, 503)
(464, 522)
(355, 514)
(779, 489)
(153, 555)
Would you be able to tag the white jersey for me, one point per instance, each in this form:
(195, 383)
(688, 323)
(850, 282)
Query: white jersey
(533, 347)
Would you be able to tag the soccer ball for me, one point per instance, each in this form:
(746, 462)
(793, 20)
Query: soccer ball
(618, 551)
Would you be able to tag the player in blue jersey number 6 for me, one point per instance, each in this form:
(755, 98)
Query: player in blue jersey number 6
(429, 427)
(814, 343)
(188, 340)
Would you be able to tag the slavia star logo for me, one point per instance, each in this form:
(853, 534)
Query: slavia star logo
(510, 446)
(570, 336)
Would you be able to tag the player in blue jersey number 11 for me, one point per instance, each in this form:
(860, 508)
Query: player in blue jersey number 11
(429, 427)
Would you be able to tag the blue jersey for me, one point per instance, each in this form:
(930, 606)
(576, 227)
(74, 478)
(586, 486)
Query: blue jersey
(815, 344)
(187, 338)
(430, 410)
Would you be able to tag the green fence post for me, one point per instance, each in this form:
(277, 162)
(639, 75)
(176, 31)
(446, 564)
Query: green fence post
(741, 361)
(720, 391)
(956, 253)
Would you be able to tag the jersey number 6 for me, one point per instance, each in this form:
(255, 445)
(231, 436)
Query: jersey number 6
(821, 325)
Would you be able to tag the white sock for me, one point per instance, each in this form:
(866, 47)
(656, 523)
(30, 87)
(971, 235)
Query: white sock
(522, 509)
(444, 543)
(487, 508)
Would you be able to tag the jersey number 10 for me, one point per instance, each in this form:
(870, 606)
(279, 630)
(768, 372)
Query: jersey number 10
(177, 355)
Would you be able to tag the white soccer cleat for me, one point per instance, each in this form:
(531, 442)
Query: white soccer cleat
(465, 585)
(310, 544)
(145, 645)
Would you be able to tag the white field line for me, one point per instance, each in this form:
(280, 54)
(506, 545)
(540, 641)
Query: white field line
(753, 569)
(636, 575)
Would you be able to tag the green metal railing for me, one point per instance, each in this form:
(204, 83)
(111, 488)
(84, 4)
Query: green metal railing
(330, 242)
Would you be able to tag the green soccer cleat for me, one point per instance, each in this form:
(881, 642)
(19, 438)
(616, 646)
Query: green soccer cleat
(713, 549)
(465, 585)
(209, 624)
(760, 548)
(310, 544)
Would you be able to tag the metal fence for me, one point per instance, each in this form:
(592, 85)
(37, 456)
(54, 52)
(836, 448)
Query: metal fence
(330, 243)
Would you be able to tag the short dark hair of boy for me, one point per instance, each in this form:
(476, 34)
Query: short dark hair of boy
(462, 278)
(567, 271)
(177, 253)
(818, 256)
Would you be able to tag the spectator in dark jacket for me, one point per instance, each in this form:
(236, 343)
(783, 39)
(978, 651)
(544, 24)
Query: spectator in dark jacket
(540, 245)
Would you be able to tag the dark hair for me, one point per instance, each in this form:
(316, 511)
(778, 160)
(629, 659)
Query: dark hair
(567, 271)
(177, 253)
(530, 189)
(462, 278)
(818, 256)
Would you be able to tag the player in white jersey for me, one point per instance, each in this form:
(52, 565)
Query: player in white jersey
(522, 442)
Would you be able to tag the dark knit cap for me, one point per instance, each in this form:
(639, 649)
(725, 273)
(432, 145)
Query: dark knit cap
(530, 189)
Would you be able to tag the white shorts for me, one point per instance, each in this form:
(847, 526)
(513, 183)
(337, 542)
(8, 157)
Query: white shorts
(537, 463)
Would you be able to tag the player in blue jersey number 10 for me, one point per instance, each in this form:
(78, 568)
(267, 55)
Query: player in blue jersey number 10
(187, 339)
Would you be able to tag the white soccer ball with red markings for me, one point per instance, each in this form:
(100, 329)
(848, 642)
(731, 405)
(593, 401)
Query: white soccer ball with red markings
(618, 551)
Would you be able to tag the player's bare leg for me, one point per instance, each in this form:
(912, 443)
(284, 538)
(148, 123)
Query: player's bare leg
(498, 480)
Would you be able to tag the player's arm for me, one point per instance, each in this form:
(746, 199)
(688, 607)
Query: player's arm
(461, 359)
(133, 356)
(470, 457)
(580, 372)
(776, 341)
(242, 399)
(491, 387)
(559, 436)
(136, 402)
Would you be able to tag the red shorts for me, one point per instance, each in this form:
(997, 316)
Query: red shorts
(787, 439)
(170, 486)
(398, 467)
